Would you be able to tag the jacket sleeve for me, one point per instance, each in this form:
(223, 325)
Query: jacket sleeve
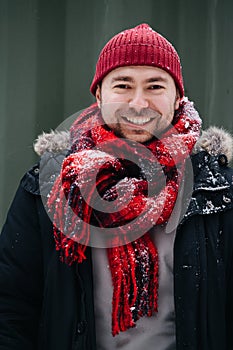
(21, 274)
(228, 246)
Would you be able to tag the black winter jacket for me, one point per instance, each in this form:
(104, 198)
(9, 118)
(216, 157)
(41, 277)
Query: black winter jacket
(45, 304)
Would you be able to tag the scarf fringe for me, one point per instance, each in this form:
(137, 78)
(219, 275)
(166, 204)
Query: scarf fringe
(136, 294)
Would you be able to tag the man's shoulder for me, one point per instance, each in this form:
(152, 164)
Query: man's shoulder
(51, 148)
(212, 189)
(212, 175)
(30, 180)
(211, 157)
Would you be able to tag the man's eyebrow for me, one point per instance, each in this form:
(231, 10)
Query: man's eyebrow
(156, 79)
(130, 79)
(122, 78)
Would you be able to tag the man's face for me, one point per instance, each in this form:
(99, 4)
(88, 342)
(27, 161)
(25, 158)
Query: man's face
(138, 102)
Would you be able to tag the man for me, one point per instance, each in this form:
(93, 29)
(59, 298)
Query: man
(93, 259)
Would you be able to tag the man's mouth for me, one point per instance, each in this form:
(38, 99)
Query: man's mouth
(137, 120)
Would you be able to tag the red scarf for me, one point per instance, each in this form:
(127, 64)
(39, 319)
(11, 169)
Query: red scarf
(142, 204)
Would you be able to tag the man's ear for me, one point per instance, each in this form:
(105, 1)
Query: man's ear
(177, 101)
(98, 95)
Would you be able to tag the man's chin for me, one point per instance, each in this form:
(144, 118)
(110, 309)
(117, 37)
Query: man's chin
(138, 136)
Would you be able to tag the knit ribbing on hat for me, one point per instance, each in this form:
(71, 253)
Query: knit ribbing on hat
(138, 46)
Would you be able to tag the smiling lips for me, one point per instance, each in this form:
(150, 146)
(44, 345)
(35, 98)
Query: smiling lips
(138, 120)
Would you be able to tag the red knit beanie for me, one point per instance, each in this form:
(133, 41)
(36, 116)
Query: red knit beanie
(138, 46)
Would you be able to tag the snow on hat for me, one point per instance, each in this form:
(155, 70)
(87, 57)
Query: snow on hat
(138, 46)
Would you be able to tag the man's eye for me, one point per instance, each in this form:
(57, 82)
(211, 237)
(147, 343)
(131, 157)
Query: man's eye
(155, 87)
(122, 86)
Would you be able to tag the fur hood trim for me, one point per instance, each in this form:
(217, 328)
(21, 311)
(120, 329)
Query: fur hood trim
(55, 142)
(214, 140)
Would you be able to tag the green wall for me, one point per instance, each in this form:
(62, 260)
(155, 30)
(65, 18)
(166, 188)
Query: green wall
(48, 50)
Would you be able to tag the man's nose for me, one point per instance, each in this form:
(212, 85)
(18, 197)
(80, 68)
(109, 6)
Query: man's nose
(138, 101)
